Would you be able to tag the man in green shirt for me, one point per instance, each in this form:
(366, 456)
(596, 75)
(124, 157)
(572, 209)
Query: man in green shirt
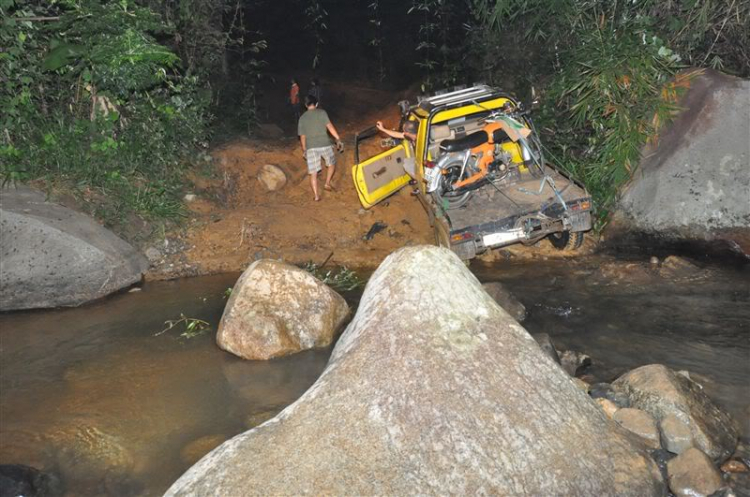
(313, 129)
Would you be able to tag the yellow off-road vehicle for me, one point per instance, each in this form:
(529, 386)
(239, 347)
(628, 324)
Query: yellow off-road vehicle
(480, 173)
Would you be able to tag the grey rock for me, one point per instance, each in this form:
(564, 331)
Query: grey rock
(545, 343)
(190, 197)
(506, 300)
(692, 474)
(740, 484)
(675, 434)
(431, 392)
(641, 423)
(153, 255)
(694, 183)
(660, 391)
(18, 479)
(52, 256)
(574, 363)
(277, 309)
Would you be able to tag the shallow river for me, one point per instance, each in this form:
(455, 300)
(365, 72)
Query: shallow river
(98, 397)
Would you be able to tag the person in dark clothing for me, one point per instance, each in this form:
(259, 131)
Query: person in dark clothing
(316, 91)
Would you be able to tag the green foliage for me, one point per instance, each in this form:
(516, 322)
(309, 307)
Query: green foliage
(341, 279)
(193, 327)
(317, 18)
(94, 102)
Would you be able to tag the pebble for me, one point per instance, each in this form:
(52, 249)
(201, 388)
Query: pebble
(734, 466)
(675, 434)
(608, 407)
(190, 197)
(641, 423)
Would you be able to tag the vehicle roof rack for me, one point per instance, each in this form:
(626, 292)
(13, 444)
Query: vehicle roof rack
(476, 92)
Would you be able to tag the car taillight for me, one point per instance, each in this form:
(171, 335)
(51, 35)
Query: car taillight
(429, 164)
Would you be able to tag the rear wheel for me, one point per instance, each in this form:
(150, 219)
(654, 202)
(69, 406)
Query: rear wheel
(565, 240)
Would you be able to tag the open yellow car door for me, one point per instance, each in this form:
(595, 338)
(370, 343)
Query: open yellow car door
(380, 176)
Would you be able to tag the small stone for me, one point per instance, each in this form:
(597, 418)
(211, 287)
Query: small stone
(654, 260)
(153, 254)
(734, 466)
(361, 212)
(134, 289)
(190, 197)
(675, 434)
(692, 474)
(192, 452)
(608, 407)
(574, 362)
(581, 384)
(641, 423)
(742, 453)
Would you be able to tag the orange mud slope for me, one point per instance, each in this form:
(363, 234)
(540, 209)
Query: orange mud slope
(236, 220)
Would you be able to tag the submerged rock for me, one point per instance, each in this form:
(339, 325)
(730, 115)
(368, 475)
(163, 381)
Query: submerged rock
(692, 474)
(192, 452)
(17, 479)
(277, 309)
(506, 300)
(52, 256)
(660, 391)
(431, 392)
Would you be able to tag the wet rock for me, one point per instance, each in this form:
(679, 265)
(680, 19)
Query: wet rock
(675, 434)
(545, 343)
(574, 363)
(692, 474)
(632, 273)
(734, 466)
(426, 399)
(608, 407)
(277, 309)
(605, 391)
(659, 391)
(192, 452)
(17, 479)
(52, 256)
(272, 177)
(640, 423)
(506, 300)
(581, 384)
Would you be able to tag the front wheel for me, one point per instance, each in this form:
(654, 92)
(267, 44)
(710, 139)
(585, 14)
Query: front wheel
(565, 240)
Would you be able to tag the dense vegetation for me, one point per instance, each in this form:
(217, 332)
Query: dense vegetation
(111, 98)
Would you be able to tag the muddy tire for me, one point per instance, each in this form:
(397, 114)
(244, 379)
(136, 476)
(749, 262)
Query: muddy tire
(565, 240)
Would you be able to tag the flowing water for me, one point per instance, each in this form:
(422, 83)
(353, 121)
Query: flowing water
(97, 397)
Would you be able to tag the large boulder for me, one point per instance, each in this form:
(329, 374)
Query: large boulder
(693, 183)
(432, 389)
(52, 256)
(661, 392)
(278, 309)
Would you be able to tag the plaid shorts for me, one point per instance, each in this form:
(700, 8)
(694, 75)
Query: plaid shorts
(314, 155)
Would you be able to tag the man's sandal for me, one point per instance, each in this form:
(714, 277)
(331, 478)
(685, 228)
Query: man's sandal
(329, 188)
